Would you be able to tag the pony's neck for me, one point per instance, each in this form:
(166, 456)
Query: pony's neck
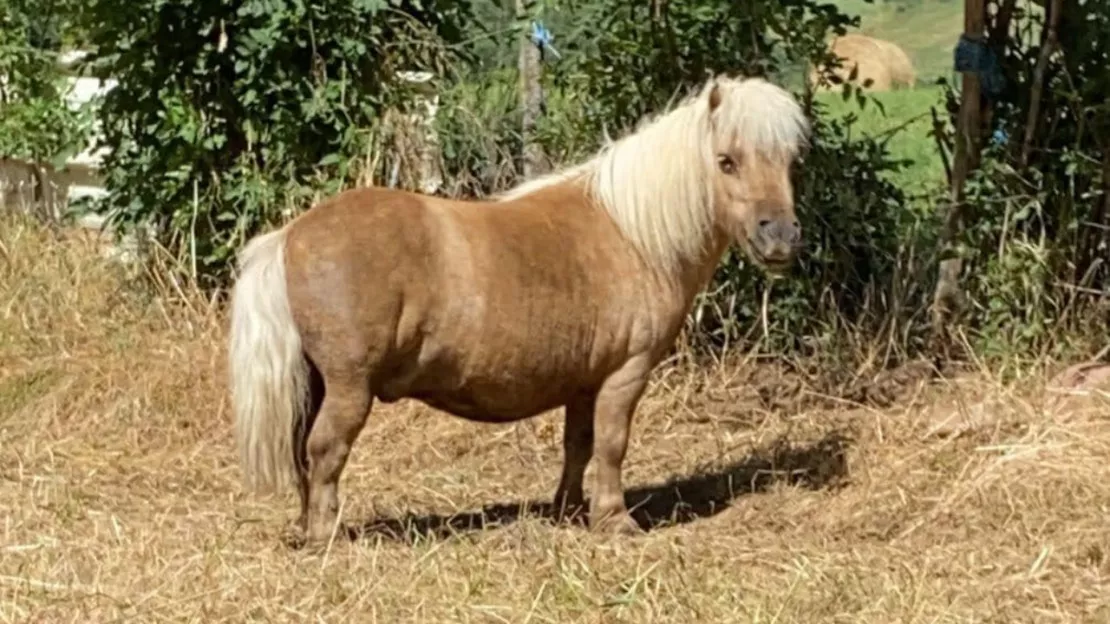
(693, 275)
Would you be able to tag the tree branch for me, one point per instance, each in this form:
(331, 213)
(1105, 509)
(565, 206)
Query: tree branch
(1048, 46)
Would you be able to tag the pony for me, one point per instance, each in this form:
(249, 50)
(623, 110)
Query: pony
(565, 291)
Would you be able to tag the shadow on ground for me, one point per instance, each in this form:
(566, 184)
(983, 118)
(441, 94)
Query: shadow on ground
(817, 465)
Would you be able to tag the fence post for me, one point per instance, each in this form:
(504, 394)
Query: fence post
(531, 95)
(948, 296)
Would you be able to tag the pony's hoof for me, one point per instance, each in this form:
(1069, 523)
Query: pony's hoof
(327, 535)
(313, 545)
(294, 537)
(297, 536)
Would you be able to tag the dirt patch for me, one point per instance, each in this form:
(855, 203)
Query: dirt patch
(752, 392)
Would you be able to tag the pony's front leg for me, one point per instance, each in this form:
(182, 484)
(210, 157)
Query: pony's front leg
(616, 402)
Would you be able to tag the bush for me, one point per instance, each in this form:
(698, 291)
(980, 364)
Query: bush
(478, 125)
(36, 125)
(230, 115)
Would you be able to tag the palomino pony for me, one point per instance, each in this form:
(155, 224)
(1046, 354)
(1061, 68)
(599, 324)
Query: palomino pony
(566, 291)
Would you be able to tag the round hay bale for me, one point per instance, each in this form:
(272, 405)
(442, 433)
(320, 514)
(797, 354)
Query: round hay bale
(900, 66)
(884, 63)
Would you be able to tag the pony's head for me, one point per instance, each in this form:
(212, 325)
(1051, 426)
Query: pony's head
(756, 130)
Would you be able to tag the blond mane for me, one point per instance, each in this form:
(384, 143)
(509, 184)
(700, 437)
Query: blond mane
(656, 182)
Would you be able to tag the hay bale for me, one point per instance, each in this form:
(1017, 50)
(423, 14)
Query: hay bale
(899, 64)
(882, 62)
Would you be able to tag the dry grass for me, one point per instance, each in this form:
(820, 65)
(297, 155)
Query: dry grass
(967, 501)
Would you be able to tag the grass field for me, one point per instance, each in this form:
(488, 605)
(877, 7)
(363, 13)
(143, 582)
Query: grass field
(954, 500)
(905, 122)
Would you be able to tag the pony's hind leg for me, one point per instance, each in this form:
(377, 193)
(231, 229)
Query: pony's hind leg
(316, 398)
(578, 442)
(343, 413)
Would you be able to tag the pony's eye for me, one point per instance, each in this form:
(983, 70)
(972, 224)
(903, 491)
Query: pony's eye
(727, 164)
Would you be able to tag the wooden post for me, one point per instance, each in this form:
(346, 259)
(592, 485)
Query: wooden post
(531, 96)
(948, 296)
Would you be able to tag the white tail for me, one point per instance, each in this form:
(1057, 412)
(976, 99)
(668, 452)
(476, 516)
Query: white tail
(269, 373)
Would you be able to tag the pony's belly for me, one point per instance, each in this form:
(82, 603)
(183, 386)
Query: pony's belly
(481, 411)
(479, 400)
(500, 378)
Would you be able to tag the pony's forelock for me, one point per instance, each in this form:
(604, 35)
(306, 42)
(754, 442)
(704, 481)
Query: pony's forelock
(760, 115)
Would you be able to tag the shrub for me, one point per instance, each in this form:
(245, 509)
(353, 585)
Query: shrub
(229, 115)
(36, 125)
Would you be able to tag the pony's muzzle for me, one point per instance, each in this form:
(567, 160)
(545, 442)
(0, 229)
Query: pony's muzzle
(777, 240)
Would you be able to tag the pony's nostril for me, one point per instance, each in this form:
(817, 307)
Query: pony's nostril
(796, 233)
(763, 223)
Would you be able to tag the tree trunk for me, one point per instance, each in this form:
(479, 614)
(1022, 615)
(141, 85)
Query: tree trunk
(948, 297)
(531, 97)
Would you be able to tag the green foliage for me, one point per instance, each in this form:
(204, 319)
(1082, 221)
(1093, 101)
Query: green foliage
(626, 60)
(35, 123)
(478, 125)
(229, 114)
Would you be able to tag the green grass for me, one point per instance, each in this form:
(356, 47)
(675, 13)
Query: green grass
(905, 121)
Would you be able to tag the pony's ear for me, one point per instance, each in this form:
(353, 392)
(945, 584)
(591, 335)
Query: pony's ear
(715, 96)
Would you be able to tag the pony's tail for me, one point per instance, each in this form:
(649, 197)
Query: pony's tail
(269, 371)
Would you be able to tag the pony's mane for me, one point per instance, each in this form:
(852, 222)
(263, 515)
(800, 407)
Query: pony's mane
(656, 182)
